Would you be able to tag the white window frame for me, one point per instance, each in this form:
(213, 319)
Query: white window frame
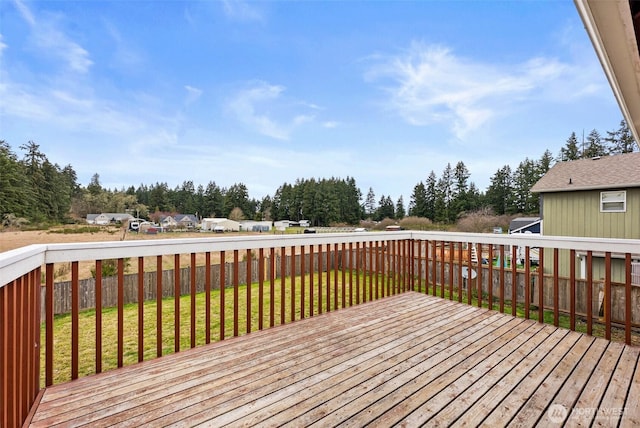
(613, 197)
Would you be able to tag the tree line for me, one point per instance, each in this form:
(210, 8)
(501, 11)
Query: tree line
(34, 190)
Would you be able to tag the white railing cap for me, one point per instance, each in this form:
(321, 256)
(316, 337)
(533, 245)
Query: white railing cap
(16, 263)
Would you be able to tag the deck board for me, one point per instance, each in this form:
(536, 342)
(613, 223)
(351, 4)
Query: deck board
(409, 359)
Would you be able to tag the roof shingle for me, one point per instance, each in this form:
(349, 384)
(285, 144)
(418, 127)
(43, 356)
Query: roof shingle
(606, 172)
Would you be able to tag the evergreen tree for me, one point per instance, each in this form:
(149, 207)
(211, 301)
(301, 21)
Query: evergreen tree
(524, 177)
(500, 191)
(400, 211)
(370, 203)
(445, 191)
(571, 150)
(213, 201)
(594, 146)
(621, 140)
(265, 209)
(14, 193)
(432, 196)
(237, 196)
(461, 202)
(385, 208)
(418, 202)
(94, 187)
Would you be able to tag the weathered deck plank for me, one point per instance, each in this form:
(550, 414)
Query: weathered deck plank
(409, 359)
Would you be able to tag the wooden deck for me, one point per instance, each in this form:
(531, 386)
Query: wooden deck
(410, 359)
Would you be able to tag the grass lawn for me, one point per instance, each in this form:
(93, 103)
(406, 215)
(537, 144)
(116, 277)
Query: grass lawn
(282, 311)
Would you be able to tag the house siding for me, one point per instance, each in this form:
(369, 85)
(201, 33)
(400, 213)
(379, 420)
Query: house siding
(578, 214)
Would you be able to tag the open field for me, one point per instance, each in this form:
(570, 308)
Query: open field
(16, 239)
(10, 240)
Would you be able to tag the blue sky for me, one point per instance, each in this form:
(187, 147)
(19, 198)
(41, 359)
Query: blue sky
(265, 92)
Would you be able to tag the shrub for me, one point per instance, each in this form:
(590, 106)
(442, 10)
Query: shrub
(482, 221)
(416, 223)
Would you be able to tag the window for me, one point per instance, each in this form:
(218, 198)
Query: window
(615, 202)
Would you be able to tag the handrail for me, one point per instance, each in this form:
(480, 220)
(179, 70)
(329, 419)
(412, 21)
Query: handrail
(325, 272)
(14, 263)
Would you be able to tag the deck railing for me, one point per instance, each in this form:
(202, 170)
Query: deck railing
(163, 296)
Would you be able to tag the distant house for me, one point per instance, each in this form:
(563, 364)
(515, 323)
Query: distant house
(168, 222)
(597, 198)
(525, 225)
(186, 221)
(91, 218)
(109, 218)
(219, 225)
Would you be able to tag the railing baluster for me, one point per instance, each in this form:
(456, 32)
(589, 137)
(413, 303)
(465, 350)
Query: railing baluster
(176, 302)
(527, 283)
(193, 299)
(556, 290)
(541, 287)
(207, 296)
(379, 293)
(502, 263)
(412, 264)
(283, 286)
(120, 312)
(590, 293)
(434, 267)
(21, 285)
(452, 256)
(292, 278)
(572, 289)
(514, 280)
(140, 309)
(223, 292)
(159, 306)
(272, 286)
(469, 275)
(607, 295)
(480, 275)
(236, 293)
(419, 261)
(459, 270)
(34, 329)
(627, 298)
(328, 275)
(98, 316)
(350, 267)
(344, 276)
(490, 277)
(261, 288)
(442, 281)
(358, 273)
(311, 279)
(303, 274)
(335, 277)
(248, 289)
(75, 309)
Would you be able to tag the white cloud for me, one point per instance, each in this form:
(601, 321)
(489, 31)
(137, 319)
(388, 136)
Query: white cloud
(430, 84)
(192, 93)
(241, 10)
(25, 12)
(258, 105)
(52, 41)
(3, 45)
(125, 56)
